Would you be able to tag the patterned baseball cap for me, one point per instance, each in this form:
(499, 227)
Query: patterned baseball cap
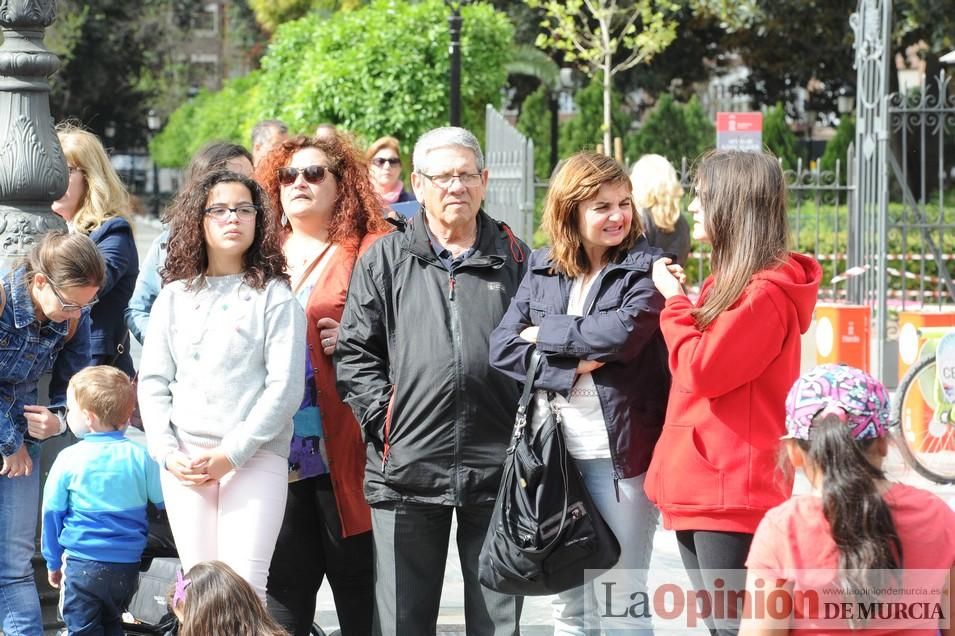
(855, 397)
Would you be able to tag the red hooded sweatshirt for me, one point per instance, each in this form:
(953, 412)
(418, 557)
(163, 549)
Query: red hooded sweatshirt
(715, 466)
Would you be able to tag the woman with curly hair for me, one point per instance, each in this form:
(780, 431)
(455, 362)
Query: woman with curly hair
(96, 204)
(220, 376)
(329, 215)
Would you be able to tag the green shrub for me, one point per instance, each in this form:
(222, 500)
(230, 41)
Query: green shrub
(382, 69)
(779, 137)
(583, 131)
(838, 146)
(534, 122)
(674, 131)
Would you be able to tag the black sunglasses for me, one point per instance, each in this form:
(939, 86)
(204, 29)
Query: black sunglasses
(381, 162)
(312, 174)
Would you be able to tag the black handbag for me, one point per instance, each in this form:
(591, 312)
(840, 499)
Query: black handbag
(545, 536)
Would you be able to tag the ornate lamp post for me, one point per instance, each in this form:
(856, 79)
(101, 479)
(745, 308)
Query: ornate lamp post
(454, 50)
(154, 124)
(33, 171)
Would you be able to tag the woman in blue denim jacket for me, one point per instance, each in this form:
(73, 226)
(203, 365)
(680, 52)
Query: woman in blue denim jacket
(589, 306)
(44, 327)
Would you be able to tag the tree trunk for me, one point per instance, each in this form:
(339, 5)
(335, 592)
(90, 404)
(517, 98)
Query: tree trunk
(608, 86)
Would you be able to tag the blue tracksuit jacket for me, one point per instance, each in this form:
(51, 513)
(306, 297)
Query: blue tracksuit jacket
(94, 502)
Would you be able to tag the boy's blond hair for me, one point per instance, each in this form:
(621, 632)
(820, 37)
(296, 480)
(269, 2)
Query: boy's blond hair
(106, 392)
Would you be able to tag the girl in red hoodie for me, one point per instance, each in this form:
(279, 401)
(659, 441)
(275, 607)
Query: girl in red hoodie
(733, 356)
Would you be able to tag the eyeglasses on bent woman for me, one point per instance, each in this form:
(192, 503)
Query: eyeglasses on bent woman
(245, 212)
(313, 174)
(64, 304)
(381, 162)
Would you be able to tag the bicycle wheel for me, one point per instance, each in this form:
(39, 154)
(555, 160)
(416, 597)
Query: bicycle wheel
(924, 432)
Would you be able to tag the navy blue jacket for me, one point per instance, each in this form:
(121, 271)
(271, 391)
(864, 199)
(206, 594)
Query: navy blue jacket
(621, 328)
(114, 239)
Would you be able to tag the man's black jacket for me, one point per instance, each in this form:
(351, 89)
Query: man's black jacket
(412, 363)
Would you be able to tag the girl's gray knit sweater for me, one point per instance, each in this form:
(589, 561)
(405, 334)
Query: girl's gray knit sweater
(222, 368)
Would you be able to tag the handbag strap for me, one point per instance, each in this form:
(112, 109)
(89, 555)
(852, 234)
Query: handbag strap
(528, 392)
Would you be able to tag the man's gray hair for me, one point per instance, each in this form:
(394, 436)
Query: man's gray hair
(442, 138)
(264, 130)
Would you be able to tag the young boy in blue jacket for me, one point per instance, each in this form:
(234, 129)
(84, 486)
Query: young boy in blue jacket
(94, 504)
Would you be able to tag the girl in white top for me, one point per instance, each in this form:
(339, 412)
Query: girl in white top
(220, 377)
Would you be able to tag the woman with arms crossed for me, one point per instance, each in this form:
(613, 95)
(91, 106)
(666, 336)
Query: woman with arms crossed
(588, 306)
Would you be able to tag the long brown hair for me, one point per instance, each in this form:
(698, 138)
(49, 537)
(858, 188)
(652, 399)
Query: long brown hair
(743, 195)
(188, 255)
(68, 260)
(219, 601)
(579, 179)
(358, 210)
(860, 519)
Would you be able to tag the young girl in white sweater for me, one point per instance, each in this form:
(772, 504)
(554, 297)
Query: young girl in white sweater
(220, 377)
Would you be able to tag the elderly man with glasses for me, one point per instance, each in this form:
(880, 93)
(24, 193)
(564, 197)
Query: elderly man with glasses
(412, 362)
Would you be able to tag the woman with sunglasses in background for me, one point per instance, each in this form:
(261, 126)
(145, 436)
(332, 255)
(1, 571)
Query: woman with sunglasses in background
(220, 376)
(329, 214)
(44, 327)
(96, 204)
(384, 155)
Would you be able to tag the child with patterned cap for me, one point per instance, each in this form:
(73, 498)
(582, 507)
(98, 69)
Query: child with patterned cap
(856, 530)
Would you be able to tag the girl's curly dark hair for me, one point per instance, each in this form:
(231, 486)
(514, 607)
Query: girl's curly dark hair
(358, 210)
(187, 258)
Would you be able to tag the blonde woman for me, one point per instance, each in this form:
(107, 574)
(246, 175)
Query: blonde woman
(96, 204)
(657, 193)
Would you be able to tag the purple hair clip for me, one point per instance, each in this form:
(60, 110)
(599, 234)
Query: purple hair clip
(179, 596)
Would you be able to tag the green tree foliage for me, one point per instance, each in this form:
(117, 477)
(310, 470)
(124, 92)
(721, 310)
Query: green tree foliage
(838, 146)
(585, 130)
(607, 37)
(114, 56)
(534, 122)
(381, 69)
(226, 114)
(779, 137)
(273, 13)
(673, 130)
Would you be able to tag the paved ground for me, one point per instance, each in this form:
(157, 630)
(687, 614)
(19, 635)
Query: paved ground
(665, 564)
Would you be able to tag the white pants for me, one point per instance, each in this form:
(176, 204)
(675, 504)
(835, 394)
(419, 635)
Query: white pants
(236, 520)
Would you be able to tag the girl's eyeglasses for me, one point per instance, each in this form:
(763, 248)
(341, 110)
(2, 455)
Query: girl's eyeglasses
(64, 304)
(220, 213)
(381, 162)
(312, 174)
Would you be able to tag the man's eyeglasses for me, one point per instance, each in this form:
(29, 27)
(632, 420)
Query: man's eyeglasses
(381, 162)
(220, 213)
(312, 174)
(444, 181)
(64, 304)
